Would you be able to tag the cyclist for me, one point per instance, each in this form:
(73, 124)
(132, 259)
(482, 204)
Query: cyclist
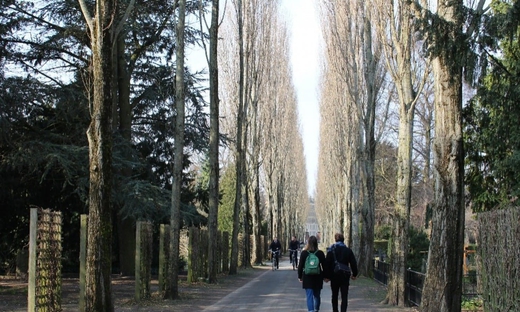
(275, 247)
(294, 245)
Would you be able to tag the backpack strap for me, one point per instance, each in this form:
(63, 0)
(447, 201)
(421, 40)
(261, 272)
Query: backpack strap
(334, 252)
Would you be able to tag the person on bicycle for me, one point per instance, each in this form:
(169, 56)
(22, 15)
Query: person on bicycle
(294, 245)
(275, 248)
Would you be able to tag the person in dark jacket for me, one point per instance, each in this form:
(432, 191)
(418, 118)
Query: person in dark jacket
(340, 281)
(313, 284)
(294, 245)
(275, 248)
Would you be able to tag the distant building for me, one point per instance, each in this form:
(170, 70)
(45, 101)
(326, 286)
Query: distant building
(312, 224)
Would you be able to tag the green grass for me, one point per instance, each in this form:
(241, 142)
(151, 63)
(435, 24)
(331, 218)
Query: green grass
(371, 289)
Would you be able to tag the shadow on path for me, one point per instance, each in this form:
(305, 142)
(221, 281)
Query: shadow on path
(258, 289)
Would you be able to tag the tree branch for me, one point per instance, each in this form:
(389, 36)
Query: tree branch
(86, 14)
(123, 20)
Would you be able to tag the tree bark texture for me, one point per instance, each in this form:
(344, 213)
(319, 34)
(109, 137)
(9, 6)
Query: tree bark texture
(213, 147)
(443, 285)
(400, 67)
(125, 225)
(172, 280)
(239, 145)
(99, 133)
(368, 210)
(401, 218)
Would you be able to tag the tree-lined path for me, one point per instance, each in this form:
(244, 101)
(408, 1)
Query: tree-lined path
(110, 120)
(259, 289)
(281, 291)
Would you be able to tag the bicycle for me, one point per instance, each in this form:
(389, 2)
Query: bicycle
(274, 259)
(294, 258)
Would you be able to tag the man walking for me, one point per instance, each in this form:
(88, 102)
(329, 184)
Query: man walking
(339, 281)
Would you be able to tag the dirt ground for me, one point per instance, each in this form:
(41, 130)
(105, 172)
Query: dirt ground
(193, 296)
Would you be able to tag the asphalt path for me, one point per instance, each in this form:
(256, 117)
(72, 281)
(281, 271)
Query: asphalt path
(280, 290)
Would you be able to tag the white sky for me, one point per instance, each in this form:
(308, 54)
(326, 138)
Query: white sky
(305, 39)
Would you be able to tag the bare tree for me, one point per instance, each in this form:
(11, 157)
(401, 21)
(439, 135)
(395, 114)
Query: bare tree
(354, 79)
(172, 278)
(443, 286)
(269, 122)
(239, 148)
(263, 15)
(213, 146)
(103, 30)
(396, 29)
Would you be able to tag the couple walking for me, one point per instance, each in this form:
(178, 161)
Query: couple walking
(339, 282)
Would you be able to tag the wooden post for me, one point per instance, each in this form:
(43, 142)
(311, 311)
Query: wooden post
(203, 253)
(164, 243)
(82, 261)
(193, 255)
(31, 291)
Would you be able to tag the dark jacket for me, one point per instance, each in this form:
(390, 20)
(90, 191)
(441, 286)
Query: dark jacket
(343, 255)
(293, 245)
(275, 245)
(311, 281)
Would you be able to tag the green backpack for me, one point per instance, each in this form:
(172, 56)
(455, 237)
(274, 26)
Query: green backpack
(312, 264)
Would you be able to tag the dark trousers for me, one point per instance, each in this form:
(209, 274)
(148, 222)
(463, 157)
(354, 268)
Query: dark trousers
(337, 286)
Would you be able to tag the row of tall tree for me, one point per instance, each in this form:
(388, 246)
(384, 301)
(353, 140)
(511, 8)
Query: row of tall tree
(391, 114)
(391, 139)
(266, 146)
(153, 149)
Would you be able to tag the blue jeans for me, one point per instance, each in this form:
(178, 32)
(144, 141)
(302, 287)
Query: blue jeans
(313, 299)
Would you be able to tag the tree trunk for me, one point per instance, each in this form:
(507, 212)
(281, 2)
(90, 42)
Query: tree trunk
(172, 279)
(244, 198)
(213, 146)
(368, 209)
(443, 286)
(255, 187)
(98, 295)
(125, 225)
(239, 146)
(401, 217)
(401, 69)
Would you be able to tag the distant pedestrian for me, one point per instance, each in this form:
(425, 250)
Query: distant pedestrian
(340, 281)
(312, 283)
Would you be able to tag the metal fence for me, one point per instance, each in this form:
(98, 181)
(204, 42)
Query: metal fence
(381, 270)
(415, 282)
(414, 286)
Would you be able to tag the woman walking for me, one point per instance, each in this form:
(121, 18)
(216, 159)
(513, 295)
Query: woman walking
(311, 279)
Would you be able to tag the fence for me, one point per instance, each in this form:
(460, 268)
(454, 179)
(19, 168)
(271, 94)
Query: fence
(44, 284)
(381, 271)
(415, 282)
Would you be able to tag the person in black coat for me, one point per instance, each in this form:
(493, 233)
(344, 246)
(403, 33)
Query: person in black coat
(340, 281)
(275, 248)
(313, 284)
(294, 245)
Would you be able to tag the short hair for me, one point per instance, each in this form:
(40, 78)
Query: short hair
(338, 237)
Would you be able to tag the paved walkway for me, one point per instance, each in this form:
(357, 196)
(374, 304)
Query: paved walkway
(280, 290)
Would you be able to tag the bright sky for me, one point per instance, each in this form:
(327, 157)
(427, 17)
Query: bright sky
(305, 37)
